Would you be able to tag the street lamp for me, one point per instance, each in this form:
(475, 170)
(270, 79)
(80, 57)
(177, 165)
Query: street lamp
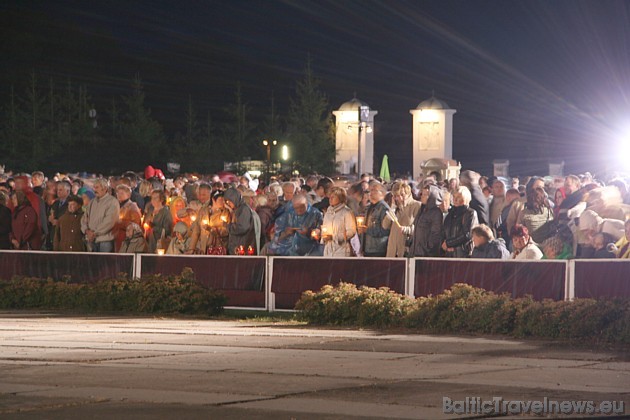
(364, 117)
(268, 144)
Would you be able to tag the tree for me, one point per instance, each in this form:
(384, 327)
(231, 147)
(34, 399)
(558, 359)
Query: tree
(308, 128)
(142, 136)
(237, 142)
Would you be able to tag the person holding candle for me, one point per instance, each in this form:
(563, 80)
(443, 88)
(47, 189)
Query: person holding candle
(338, 227)
(159, 220)
(129, 212)
(293, 235)
(241, 229)
(199, 235)
(218, 219)
(405, 209)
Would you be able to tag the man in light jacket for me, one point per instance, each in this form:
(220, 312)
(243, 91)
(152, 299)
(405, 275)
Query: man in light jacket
(99, 218)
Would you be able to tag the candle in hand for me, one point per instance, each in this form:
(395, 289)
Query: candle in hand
(193, 218)
(224, 218)
(160, 251)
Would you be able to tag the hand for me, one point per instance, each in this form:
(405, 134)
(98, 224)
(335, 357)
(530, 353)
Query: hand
(15, 243)
(444, 247)
(362, 229)
(90, 235)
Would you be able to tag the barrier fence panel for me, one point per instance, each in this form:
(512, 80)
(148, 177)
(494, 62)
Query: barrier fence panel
(602, 278)
(75, 267)
(541, 279)
(291, 275)
(240, 278)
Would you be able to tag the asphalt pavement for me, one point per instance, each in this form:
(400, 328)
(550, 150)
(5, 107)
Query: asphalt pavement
(75, 367)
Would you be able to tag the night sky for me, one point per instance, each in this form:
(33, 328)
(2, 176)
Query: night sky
(531, 81)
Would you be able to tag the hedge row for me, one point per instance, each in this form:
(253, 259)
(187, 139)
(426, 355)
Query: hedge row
(467, 309)
(151, 294)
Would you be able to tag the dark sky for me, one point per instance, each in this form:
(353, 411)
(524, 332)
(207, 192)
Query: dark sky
(531, 80)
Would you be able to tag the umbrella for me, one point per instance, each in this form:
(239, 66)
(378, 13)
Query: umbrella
(385, 170)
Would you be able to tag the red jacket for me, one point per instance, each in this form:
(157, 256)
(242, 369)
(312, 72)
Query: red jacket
(25, 226)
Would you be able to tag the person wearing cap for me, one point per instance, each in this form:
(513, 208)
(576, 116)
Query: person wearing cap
(87, 195)
(68, 235)
(524, 246)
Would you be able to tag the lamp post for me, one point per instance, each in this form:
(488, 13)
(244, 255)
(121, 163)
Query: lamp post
(268, 144)
(364, 116)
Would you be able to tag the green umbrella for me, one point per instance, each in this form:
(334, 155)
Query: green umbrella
(385, 169)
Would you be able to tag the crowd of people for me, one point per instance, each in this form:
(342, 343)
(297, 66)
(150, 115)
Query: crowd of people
(467, 217)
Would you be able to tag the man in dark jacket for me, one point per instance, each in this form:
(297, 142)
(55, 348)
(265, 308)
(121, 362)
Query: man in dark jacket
(241, 230)
(375, 238)
(479, 202)
(427, 234)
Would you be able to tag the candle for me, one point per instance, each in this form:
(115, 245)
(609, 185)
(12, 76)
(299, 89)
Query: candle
(324, 231)
(160, 251)
(193, 218)
(205, 222)
(314, 234)
(240, 250)
(250, 250)
(361, 221)
(146, 226)
(224, 218)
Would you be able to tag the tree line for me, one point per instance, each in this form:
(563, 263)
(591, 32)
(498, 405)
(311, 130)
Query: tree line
(53, 126)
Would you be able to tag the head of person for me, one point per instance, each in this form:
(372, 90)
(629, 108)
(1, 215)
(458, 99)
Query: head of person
(22, 183)
(133, 229)
(205, 193)
(300, 204)
(38, 178)
(469, 178)
(218, 200)
(101, 187)
(552, 247)
(537, 199)
(74, 203)
(498, 188)
(511, 195)
(158, 199)
(233, 198)
(123, 193)
(571, 184)
(377, 192)
(461, 197)
(446, 201)
(337, 196)
(63, 189)
(559, 196)
(19, 199)
(288, 191)
(481, 235)
(453, 184)
(400, 192)
(323, 187)
(180, 229)
(356, 191)
(520, 236)
(626, 227)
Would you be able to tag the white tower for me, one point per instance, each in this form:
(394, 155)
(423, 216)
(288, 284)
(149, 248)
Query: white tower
(432, 132)
(354, 122)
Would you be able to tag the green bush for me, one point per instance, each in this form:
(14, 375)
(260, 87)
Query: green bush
(467, 309)
(344, 304)
(152, 294)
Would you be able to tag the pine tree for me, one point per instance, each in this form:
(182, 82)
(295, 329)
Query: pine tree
(308, 128)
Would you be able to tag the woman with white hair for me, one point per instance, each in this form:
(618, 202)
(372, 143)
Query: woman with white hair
(458, 225)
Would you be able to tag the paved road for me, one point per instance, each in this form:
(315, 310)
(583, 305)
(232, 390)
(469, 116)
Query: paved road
(109, 367)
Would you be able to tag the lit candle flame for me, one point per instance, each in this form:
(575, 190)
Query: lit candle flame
(146, 226)
(224, 218)
(193, 218)
(160, 251)
(205, 222)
